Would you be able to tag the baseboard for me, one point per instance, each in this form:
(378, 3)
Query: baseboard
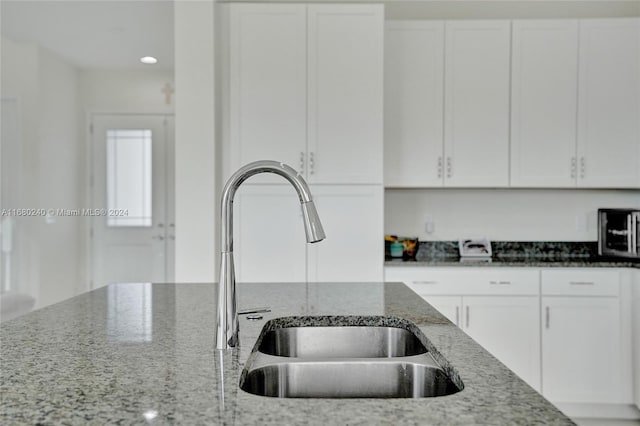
(600, 411)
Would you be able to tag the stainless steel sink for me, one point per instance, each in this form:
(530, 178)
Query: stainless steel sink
(346, 357)
(341, 342)
(366, 378)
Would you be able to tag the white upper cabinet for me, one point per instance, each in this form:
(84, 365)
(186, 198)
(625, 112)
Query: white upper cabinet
(476, 101)
(267, 81)
(306, 89)
(413, 91)
(528, 103)
(609, 103)
(543, 103)
(345, 109)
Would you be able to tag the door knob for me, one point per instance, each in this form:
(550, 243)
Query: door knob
(158, 237)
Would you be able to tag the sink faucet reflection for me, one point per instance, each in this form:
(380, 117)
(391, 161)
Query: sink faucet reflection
(227, 328)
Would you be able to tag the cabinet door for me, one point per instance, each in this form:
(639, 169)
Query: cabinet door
(269, 238)
(345, 67)
(413, 90)
(353, 221)
(476, 116)
(508, 327)
(609, 103)
(268, 84)
(581, 355)
(449, 306)
(544, 103)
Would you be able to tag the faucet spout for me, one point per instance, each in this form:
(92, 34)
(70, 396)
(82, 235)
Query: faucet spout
(227, 324)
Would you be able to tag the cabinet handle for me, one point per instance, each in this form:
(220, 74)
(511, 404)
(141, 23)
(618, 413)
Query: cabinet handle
(583, 167)
(581, 283)
(425, 282)
(311, 163)
(467, 312)
(500, 282)
(546, 317)
(301, 162)
(449, 167)
(458, 316)
(574, 167)
(439, 167)
(632, 224)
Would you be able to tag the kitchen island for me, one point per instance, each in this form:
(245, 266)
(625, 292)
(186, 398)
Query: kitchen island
(136, 353)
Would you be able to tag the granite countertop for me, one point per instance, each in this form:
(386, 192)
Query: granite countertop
(144, 353)
(534, 254)
(523, 262)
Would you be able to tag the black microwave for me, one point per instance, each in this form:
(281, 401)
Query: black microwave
(619, 233)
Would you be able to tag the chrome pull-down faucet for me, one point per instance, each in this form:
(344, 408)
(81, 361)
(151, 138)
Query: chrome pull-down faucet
(227, 327)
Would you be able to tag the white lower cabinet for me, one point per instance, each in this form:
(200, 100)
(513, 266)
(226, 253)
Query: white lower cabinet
(498, 308)
(587, 366)
(506, 326)
(565, 331)
(581, 349)
(449, 306)
(269, 237)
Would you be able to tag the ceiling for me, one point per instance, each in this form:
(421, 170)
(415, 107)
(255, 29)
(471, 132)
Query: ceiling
(112, 34)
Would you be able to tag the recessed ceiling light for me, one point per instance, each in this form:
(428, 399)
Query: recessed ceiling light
(148, 60)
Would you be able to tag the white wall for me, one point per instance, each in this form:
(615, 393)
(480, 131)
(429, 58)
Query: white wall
(124, 91)
(60, 180)
(196, 161)
(46, 88)
(501, 214)
(20, 82)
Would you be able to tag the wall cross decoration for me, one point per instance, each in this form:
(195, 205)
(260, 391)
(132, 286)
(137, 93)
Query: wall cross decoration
(168, 90)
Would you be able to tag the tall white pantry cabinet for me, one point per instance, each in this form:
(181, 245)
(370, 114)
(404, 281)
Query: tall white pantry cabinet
(305, 88)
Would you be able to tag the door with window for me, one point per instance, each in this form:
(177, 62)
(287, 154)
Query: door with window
(132, 225)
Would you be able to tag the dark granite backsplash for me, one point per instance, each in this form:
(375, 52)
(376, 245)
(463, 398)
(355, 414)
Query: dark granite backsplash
(514, 249)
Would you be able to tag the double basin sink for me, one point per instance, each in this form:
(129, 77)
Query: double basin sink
(346, 357)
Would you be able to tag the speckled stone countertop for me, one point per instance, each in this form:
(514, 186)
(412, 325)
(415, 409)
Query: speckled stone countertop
(534, 254)
(522, 262)
(144, 354)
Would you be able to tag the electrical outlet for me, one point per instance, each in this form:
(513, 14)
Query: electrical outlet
(429, 225)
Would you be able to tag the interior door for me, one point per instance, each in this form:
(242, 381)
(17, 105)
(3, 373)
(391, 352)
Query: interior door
(131, 235)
